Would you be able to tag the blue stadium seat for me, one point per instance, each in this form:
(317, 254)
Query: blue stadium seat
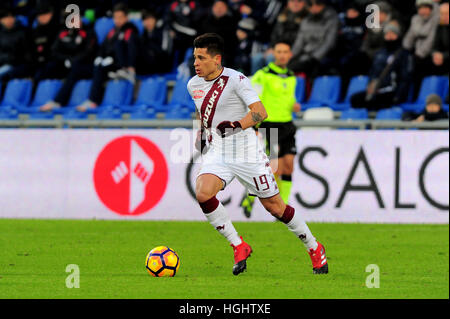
(102, 26)
(109, 113)
(152, 92)
(139, 25)
(41, 115)
(445, 95)
(23, 20)
(354, 114)
(188, 54)
(46, 91)
(8, 113)
(394, 113)
(300, 89)
(357, 84)
(430, 84)
(80, 93)
(117, 93)
(71, 113)
(178, 113)
(181, 99)
(143, 113)
(17, 93)
(325, 92)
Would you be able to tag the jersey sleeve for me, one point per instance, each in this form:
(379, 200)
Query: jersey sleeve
(189, 87)
(244, 90)
(257, 82)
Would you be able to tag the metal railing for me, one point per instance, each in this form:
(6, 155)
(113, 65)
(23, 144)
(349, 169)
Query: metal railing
(161, 123)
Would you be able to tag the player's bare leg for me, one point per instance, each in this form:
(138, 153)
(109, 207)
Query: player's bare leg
(285, 213)
(206, 188)
(248, 200)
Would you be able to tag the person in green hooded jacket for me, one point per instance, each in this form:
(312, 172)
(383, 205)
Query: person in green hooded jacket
(276, 85)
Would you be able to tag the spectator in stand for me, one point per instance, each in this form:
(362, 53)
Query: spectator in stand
(441, 42)
(374, 39)
(433, 109)
(222, 21)
(15, 54)
(389, 74)
(289, 20)
(116, 58)
(316, 40)
(183, 19)
(351, 59)
(419, 39)
(44, 35)
(154, 53)
(286, 27)
(246, 37)
(73, 53)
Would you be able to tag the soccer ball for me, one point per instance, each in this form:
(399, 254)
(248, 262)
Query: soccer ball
(162, 261)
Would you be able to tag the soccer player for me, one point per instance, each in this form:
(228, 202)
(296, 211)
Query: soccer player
(223, 98)
(276, 85)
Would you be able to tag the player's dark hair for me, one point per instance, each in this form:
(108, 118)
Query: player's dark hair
(213, 43)
(121, 7)
(283, 41)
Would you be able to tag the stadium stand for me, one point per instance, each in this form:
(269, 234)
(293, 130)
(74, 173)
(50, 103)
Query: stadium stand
(357, 84)
(165, 96)
(152, 94)
(102, 27)
(325, 92)
(117, 93)
(430, 84)
(17, 93)
(354, 114)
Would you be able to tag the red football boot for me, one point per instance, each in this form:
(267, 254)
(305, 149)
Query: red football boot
(241, 253)
(319, 259)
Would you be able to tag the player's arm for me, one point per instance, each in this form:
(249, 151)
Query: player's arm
(256, 115)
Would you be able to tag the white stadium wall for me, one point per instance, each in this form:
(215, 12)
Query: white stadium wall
(340, 176)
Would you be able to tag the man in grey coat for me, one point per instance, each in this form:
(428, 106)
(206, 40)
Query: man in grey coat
(317, 39)
(419, 39)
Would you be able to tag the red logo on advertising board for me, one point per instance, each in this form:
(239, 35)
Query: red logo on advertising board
(130, 175)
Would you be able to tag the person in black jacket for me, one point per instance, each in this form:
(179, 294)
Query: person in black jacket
(14, 51)
(440, 53)
(183, 18)
(72, 55)
(390, 74)
(246, 39)
(351, 60)
(117, 57)
(44, 34)
(154, 46)
(222, 21)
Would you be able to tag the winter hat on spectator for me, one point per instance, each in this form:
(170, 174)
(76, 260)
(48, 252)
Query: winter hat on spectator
(420, 3)
(433, 99)
(393, 27)
(247, 24)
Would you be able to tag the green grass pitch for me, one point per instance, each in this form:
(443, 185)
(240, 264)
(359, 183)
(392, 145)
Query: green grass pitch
(413, 260)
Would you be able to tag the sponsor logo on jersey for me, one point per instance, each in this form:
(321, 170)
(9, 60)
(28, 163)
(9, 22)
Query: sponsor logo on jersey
(210, 102)
(198, 94)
